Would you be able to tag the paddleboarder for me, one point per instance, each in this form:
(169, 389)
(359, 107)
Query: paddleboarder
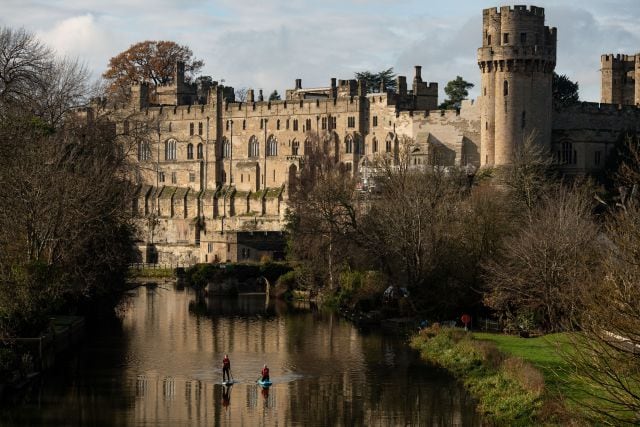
(226, 368)
(265, 373)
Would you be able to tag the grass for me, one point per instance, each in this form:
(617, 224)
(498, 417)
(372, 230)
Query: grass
(547, 353)
(509, 390)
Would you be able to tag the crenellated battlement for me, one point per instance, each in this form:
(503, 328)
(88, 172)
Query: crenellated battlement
(513, 10)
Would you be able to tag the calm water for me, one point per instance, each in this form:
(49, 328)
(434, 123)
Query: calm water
(160, 365)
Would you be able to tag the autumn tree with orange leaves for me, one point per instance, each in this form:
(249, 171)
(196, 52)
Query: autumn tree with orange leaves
(149, 61)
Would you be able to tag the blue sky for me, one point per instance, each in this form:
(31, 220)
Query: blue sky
(269, 43)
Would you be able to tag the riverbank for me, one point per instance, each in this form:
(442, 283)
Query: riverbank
(29, 357)
(517, 381)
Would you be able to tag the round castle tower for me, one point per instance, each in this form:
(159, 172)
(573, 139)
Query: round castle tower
(517, 59)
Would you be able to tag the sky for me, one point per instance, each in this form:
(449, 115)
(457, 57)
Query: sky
(267, 44)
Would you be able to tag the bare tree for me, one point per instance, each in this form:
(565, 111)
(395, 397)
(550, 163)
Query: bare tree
(528, 176)
(542, 270)
(65, 227)
(409, 225)
(604, 357)
(24, 61)
(324, 211)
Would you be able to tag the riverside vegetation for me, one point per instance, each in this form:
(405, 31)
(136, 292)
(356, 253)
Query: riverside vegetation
(539, 252)
(65, 232)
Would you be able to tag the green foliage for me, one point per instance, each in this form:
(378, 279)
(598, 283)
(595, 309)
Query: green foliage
(456, 90)
(564, 91)
(506, 395)
(373, 80)
(275, 96)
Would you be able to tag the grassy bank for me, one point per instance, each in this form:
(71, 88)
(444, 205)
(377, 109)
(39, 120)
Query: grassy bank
(151, 273)
(509, 386)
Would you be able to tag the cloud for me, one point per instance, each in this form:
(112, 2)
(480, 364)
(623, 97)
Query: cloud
(269, 43)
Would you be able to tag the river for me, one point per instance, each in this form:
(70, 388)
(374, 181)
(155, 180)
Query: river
(159, 364)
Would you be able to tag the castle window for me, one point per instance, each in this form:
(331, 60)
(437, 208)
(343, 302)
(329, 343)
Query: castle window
(388, 146)
(241, 177)
(170, 149)
(334, 122)
(287, 124)
(596, 159)
(295, 124)
(227, 126)
(323, 123)
(161, 176)
(488, 39)
(170, 126)
(278, 125)
(524, 119)
(209, 247)
(200, 156)
(254, 147)
(505, 88)
(375, 121)
(307, 146)
(351, 122)
(308, 125)
(200, 128)
(174, 178)
(192, 177)
(191, 129)
(505, 38)
(190, 152)
(294, 148)
(374, 145)
(226, 149)
(223, 176)
(144, 151)
(523, 38)
(348, 142)
(126, 127)
(261, 123)
(485, 91)
(272, 146)
(568, 155)
(274, 175)
(486, 125)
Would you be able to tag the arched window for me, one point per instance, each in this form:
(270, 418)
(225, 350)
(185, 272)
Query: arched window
(278, 125)
(254, 147)
(272, 146)
(307, 147)
(295, 146)
(348, 142)
(505, 88)
(199, 153)
(171, 149)
(223, 176)
(226, 148)
(374, 146)
(190, 151)
(388, 146)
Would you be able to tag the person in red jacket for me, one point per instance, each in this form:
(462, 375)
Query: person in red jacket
(265, 373)
(226, 368)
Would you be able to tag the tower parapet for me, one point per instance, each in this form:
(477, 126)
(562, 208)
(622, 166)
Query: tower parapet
(620, 79)
(516, 60)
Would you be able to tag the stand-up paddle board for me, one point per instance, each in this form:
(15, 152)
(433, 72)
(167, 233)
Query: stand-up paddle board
(266, 383)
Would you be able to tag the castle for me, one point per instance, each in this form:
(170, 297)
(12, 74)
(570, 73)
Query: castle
(214, 173)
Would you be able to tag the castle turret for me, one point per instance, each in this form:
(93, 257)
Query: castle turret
(620, 73)
(517, 59)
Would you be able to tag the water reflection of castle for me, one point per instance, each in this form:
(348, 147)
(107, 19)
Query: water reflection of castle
(322, 369)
